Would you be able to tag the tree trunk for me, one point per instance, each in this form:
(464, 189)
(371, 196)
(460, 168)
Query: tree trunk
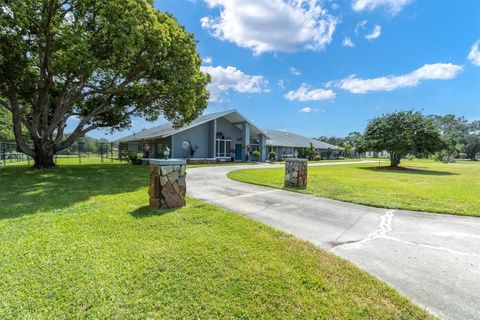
(394, 160)
(43, 158)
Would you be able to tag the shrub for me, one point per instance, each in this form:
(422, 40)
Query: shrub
(272, 155)
(132, 158)
(256, 154)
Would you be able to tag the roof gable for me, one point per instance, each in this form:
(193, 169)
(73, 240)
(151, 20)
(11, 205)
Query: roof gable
(167, 129)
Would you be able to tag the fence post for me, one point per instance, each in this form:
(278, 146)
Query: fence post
(111, 150)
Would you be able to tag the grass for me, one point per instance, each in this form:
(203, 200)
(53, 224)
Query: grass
(434, 187)
(327, 160)
(78, 241)
(97, 160)
(64, 160)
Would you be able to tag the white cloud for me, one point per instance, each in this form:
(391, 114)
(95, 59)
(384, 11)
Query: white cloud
(207, 60)
(347, 42)
(226, 79)
(474, 55)
(281, 84)
(271, 25)
(376, 32)
(308, 110)
(306, 93)
(360, 26)
(294, 71)
(393, 6)
(437, 71)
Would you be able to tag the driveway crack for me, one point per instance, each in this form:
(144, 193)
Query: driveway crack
(384, 228)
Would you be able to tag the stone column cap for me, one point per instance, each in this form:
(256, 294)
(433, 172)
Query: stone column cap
(167, 162)
(295, 160)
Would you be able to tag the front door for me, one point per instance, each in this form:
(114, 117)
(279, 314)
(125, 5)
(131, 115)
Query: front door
(238, 152)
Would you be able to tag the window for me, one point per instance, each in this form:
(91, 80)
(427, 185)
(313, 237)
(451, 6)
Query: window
(223, 145)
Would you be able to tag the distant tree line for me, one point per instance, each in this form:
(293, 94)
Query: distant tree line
(83, 145)
(461, 137)
(6, 132)
(353, 144)
(87, 145)
(412, 133)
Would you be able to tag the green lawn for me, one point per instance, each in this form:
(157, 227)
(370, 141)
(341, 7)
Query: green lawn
(332, 160)
(79, 242)
(72, 160)
(435, 187)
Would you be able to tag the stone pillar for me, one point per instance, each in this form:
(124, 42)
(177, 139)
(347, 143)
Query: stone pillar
(167, 183)
(296, 173)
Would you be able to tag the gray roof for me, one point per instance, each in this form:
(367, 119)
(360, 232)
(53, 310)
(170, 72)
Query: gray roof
(289, 139)
(166, 129)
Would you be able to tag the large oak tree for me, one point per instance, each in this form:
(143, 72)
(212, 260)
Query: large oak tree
(99, 61)
(402, 133)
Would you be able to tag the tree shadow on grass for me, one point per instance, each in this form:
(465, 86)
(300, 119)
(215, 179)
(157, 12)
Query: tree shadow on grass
(25, 191)
(147, 211)
(417, 170)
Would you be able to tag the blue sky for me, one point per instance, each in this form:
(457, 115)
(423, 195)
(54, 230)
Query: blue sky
(327, 67)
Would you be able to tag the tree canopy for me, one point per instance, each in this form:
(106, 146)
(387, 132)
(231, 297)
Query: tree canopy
(402, 133)
(100, 61)
(460, 135)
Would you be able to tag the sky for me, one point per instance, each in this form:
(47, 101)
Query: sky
(324, 68)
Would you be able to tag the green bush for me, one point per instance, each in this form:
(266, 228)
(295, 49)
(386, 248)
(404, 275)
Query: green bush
(272, 155)
(256, 154)
(132, 158)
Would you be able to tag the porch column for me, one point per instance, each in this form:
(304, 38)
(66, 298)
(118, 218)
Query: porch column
(262, 139)
(246, 140)
(212, 136)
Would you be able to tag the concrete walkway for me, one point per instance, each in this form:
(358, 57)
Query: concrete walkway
(434, 259)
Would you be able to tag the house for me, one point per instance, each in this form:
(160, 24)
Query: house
(284, 144)
(373, 154)
(221, 136)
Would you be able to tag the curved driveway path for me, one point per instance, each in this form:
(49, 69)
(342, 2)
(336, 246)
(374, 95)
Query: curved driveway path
(432, 258)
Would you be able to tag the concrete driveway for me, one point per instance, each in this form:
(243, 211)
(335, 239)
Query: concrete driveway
(434, 259)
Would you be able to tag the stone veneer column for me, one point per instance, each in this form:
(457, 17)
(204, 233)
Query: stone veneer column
(167, 183)
(296, 173)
